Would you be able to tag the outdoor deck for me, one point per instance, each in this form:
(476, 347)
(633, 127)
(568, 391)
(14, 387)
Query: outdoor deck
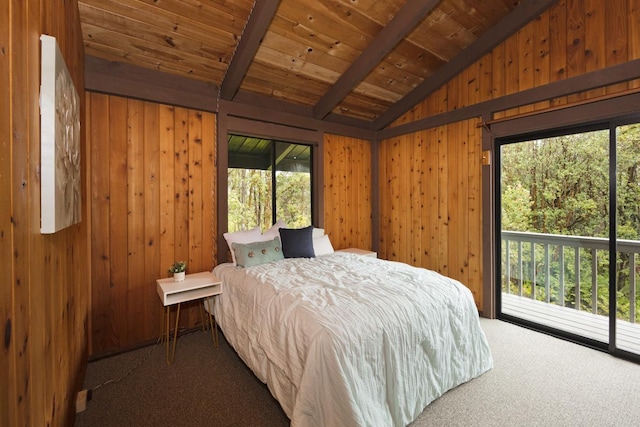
(570, 320)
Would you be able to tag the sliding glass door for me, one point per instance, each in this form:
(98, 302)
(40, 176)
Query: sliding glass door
(627, 213)
(570, 231)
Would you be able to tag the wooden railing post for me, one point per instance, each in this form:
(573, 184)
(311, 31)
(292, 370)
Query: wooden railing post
(575, 243)
(561, 278)
(632, 287)
(594, 281)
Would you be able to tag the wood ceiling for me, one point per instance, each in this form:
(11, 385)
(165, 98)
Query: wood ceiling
(361, 62)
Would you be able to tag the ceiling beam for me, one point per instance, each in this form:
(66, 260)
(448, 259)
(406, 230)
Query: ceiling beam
(257, 25)
(133, 81)
(402, 24)
(524, 13)
(619, 73)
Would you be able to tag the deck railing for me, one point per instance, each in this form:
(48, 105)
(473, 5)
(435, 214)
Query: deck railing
(549, 268)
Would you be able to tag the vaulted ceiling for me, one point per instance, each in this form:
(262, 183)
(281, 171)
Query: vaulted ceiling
(363, 62)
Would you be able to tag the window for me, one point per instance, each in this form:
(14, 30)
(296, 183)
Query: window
(268, 180)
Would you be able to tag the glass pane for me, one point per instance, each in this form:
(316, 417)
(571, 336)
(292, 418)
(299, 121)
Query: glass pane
(249, 199)
(251, 183)
(628, 237)
(293, 184)
(555, 230)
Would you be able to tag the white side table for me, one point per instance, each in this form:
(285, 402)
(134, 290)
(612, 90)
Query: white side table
(194, 286)
(359, 251)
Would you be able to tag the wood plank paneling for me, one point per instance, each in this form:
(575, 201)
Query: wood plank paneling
(570, 39)
(157, 188)
(181, 190)
(498, 74)
(525, 40)
(576, 34)
(118, 230)
(512, 67)
(151, 204)
(40, 293)
(98, 108)
(7, 361)
(347, 191)
(617, 27)
(540, 55)
(439, 213)
(558, 46)
(20, 212)
(442, 263)
(209, 190)
(135, 218)
(633, 37)
(44, 302)
(594, 45)
(474, 207)
(432, 224)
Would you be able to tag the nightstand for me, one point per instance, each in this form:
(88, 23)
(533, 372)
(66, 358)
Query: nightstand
(193, 287)
(359, 251)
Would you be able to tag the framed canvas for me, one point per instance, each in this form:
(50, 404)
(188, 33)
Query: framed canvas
(59, 142)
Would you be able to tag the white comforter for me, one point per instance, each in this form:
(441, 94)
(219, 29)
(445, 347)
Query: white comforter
(348, 340)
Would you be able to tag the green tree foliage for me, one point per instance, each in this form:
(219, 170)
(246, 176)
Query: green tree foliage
(293, 203)
(249, 199)
(516, 207)
(567, 180)
(560, 185)
(250, 195)
(628, 181)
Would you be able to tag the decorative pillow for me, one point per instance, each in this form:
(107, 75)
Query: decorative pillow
(297, 242)
(243, 236)
(273, 231)
(318, 232)
(256, 253)
(322, 245)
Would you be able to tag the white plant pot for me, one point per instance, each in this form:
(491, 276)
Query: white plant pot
(179, 277)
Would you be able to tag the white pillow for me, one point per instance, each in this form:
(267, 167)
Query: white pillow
(274, 231)
(242, 236)
(318, 232)
(322, 245)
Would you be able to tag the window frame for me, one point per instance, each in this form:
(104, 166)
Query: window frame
(273, 170)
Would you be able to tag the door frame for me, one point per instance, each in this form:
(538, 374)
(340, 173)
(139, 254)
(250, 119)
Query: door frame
(610, 112)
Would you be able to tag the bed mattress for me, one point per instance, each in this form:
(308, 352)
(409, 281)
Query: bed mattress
(348, 340)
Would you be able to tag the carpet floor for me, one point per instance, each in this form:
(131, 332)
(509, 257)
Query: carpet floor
(537, 380)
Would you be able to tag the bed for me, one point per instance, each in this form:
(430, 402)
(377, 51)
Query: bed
(349, 340)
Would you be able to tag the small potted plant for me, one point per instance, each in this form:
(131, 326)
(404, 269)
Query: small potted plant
(178, 270)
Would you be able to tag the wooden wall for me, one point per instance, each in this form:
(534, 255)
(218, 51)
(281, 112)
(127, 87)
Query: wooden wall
(152, 192)
(44, 294)
(347, 191)
(430, 180)
(430, 202)
(572, 38)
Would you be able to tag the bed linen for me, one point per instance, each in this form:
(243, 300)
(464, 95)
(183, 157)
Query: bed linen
(348, 340)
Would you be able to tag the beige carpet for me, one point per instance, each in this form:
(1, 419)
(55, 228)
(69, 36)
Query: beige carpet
(537, 380)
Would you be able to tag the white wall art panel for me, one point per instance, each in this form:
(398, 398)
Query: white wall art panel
(60, 142)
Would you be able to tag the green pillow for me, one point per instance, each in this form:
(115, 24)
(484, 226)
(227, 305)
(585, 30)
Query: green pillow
(256, 253)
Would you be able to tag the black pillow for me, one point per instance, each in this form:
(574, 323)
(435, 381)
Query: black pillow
(297, 242)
